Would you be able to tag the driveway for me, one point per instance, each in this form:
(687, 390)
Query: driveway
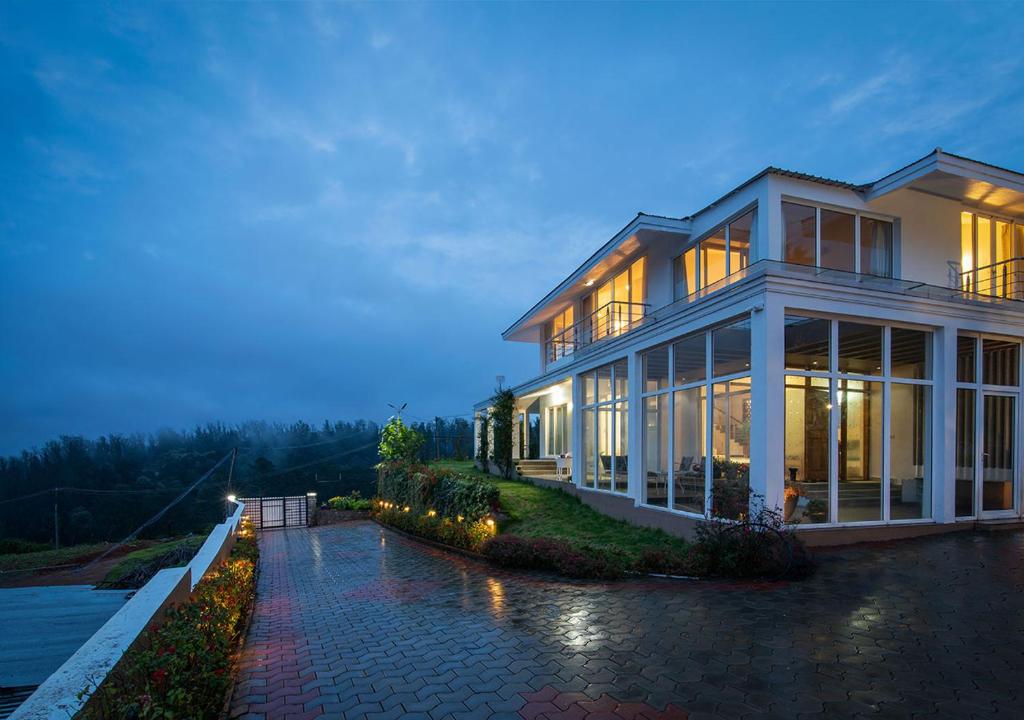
(354, 621)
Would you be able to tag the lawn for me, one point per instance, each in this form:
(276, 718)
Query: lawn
(50, 558)
(137, 559)
(545, 512)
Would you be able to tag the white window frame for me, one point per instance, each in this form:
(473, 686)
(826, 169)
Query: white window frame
(595, 406)
(695, 245)
(833, 375)
(857, 215)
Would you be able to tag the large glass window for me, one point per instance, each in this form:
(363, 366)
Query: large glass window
(990, 256)
(801, 233)
(605, 461)
(725, 251)
(1000, 362)
(616, 304)
(680, 421)
(837, 240)
(863, 415)
(559, 332)
(965, 452)
(557, 430)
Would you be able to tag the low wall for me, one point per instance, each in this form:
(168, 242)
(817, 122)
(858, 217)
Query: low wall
(332, 517)
(59, 697)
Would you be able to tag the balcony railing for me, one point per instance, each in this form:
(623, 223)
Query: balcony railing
(609, 320)
(1004, 279)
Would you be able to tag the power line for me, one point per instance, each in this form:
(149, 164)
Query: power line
(282, 471)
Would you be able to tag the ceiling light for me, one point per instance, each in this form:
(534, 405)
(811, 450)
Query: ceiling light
(588, 283)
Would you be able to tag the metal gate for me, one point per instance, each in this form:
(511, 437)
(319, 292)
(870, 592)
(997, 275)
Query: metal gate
(266, 513)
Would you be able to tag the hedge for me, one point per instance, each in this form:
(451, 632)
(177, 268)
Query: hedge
(182, 668)
(465, 534)
(448, 493)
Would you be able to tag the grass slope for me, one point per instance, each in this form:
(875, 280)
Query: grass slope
(544, 512)
(136, 559)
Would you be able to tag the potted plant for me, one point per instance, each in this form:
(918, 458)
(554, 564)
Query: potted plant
(792, 497)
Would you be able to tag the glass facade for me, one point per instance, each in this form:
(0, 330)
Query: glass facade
(724, 251)
(857, 439)
(837, 240)
(704, 402)
(605, 415)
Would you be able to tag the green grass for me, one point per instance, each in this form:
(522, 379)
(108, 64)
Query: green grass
(536, 511)
(49, 558)
(133, 560)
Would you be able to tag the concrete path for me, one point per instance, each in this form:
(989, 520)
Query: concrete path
(41, 627)
(353, 621)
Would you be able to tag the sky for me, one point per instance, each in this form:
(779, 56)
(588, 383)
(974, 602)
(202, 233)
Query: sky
(308, 211)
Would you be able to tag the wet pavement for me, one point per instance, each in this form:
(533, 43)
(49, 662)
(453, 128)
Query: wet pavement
(353, 621)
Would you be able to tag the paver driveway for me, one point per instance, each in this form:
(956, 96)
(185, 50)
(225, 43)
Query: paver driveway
(353, 621)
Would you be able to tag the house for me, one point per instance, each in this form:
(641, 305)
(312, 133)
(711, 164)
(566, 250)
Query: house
(850, 353)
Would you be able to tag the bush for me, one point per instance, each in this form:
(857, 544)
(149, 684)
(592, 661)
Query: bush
(181, 669)
(398, 442)
(554, 555)
(13, 546)
(354, 501)
(465, 534)
(448, 493)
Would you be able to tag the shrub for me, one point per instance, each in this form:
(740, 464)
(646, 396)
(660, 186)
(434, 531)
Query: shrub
(353, 501)
(554, 555)
(464, 534)
(398, 442)
(662, 561)
(502, 414)
(14, 546)
(448, 493)
(182, 667)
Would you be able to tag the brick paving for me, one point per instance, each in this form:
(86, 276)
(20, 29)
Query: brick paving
(354, 622)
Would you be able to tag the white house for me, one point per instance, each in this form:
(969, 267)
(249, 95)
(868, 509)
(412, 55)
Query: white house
(851, 353)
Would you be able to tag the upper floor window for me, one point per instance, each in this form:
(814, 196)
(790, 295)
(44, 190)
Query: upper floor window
(617, 304)
(991, 253)
(725, 251)
(837, 240)
(560, 335)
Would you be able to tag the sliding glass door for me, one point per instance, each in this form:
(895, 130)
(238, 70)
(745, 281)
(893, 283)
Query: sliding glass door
(998, 452)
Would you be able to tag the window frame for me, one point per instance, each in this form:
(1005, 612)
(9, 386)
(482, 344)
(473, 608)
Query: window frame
(595, 406)
(834, 377)
(857, 215)
(708, 383)
(695, 245)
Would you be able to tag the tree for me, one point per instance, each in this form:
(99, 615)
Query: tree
(503, 408)
(398, 442)
(484, 443)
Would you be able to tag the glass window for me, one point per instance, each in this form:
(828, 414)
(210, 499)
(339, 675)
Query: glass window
(637, 284)
(909, 482)
(656, 369)
(1000, 360)
(740, 230)
(589, 392)
(807, 343)
(807, 449)
(966, 242)
(910, 354)
(621, 458)
(604, 383)
(998, 451)
(730, 347)
(656, 450)
(689, 408)
(966, 347)
(965, 459)
(690, 359)
(712, 258)
(799, 221)
(621, 378)
(730, 432)
(589, 448)
(605, 447)
(685, 274)
(860, 450)
(860, 348)
(838, 241)
(983, 248)
(875, 247)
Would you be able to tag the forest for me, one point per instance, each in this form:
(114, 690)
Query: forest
(105, 488)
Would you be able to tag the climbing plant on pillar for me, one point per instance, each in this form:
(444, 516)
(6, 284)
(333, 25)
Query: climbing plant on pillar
(503, 407)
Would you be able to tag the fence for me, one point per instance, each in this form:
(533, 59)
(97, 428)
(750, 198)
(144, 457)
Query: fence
(60, 696)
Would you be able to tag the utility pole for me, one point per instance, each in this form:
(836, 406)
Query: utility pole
(56, 522)
(437, 446)
(231, 475)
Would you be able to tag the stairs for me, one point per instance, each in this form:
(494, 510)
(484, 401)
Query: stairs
(536, 468)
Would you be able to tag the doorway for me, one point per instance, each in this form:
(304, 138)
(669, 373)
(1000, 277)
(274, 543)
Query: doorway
(998, 453)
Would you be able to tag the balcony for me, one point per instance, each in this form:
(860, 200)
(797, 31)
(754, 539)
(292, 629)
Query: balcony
(1004, 279)
(609, 320)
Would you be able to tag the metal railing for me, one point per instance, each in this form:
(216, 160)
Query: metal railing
(1004, 279)
(610, 320)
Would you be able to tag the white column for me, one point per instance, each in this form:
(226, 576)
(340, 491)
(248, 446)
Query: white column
(577, 431)
(768, 402)
(944, 426)
(636, 427)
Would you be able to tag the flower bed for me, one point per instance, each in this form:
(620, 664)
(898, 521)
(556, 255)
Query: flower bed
(458, 532)
(182, 668)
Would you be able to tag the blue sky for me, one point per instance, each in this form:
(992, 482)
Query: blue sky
(287, 211)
